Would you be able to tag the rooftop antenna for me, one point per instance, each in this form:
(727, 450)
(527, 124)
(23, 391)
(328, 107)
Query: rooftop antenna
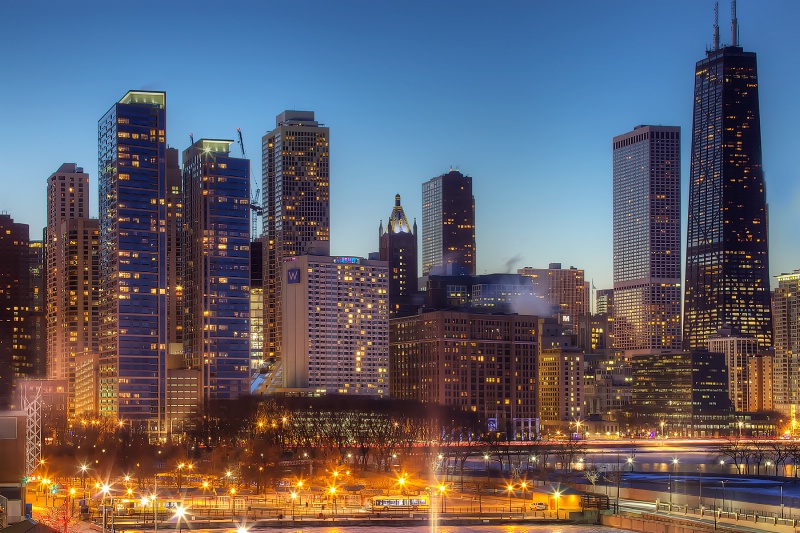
(734, 25)
(716, 25)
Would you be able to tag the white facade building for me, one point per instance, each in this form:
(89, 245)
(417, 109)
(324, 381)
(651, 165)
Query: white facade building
(336, 325)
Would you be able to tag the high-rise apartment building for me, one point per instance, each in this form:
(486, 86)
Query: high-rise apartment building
(37, 311)
(398, 246)
(15, 304)
(448, 225)
(647, 239)
(479, 361)
(217, 268)
(561, 293)
(727, 260)
(174, 253)
(295, 189)
(560, 388)
(67, 198)
(133, 260)
(786, 363)
(738, 350)
(336, 333)
(78, 306)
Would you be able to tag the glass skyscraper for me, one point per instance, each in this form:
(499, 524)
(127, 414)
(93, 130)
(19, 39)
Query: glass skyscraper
(448, 225)
(133, 252)
(727, 278)
(217, 268)
(647, 239)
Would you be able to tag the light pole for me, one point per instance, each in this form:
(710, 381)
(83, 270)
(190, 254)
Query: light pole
(442, 491)
(630, 463)
(723, 494)
(524, 486)
(700, 497)
(294, 496)
(781, 500)
(510, 489)
(486, 461)
(83, 479)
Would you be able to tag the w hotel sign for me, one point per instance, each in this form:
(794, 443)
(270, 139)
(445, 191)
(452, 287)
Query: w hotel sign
(293, 276)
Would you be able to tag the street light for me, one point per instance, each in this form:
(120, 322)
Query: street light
(630, 463)
(332, 490)
(723, 493)
(486, 460)
(179, 514)
(442, 494)
(510, 489)
(524, 486)
(557, 495)
(294, 496)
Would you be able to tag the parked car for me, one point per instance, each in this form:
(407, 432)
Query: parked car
(539, 506)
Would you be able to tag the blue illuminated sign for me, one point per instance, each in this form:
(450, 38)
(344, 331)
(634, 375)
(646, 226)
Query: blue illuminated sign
(347, 260)
(293, 276)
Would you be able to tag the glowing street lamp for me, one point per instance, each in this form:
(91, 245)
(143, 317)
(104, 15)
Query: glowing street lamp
(557, 495)
(241, 529)
(180, 512)
(510, 489)
(332, 491)
(630, 463)
(486, 460)
(294, 497)
(443, 493)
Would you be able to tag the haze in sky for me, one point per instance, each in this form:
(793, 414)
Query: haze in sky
(525, 97)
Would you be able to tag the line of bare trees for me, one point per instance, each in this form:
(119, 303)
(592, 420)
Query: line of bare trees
(751, 456)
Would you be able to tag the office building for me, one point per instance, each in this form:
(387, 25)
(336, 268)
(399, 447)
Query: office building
(647, 239)
(67, 198)
(296, 208)
(727, 256)
(133, 260)
(448, 225)
(336, 333)
(398, 247)
(15, 304)
(738, 350)
(217, 268)
(786, 317)
(604, 302)
(681, 394)
(480, 361)
(561, 293)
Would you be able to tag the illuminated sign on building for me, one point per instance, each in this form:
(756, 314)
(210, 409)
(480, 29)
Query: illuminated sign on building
(293, 276)
(347, 260)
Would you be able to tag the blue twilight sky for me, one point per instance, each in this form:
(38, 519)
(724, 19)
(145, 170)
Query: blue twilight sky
(523, 96)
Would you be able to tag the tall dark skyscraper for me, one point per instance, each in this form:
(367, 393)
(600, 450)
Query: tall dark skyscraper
(398, 246)
(448, 225)
(647, 239)
(133, 260)
(727, 261)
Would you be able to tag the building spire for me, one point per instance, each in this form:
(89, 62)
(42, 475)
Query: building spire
(734, 25)
(716, 25)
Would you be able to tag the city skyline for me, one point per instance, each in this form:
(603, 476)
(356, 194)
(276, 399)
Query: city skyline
(429, 98)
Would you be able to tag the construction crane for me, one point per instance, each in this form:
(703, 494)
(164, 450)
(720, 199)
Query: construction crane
(255, 201)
